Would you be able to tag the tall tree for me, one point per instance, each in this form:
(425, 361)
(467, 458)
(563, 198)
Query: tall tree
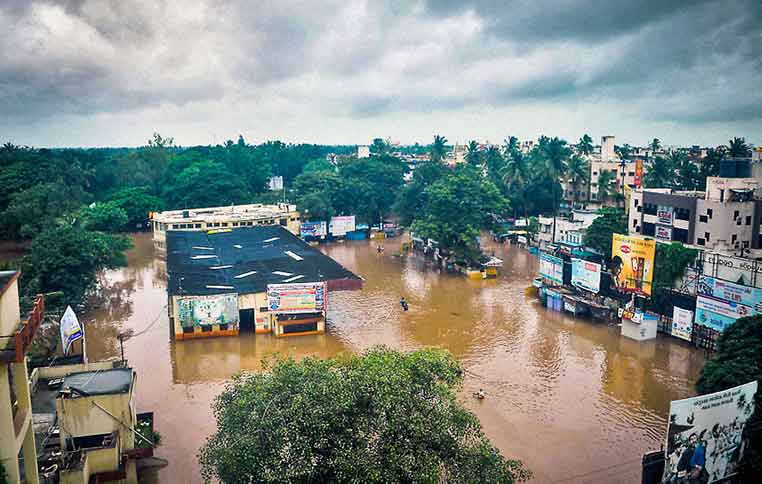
(624, 151)
(660, 173)
(438, 149)
(710, 165)
(515, 177)
(555, 153)
(379, 146)
(494, 162)
(598, 235)
(473, 154)
(577, 174)
(739, 148)
(379, 417)
(585, 145)
(687, 173)
(655, 145)
(606, 187)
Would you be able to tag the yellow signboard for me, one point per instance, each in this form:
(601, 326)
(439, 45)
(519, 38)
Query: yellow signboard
(632, 263)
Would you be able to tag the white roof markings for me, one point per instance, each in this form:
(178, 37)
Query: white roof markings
(197, 257)
(293, 255)
(271, 239)
(220, 267)
(238, 246)
(210, 286)
(281, 273)
(202, 248)
(291, 279)
(245, 274)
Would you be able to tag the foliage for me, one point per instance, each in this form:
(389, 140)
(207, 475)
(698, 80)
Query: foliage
(660, 173)
(205, 183)
(145, 428)
(599, 234)
(687, 173)
(107, 217)
(670, 263)
(3, 474)
(379, 417)
(655, 144)
(710, 166)
(66, 258)
(473, 154)
(739, 148)
(136, 203)
(578, 173)
(605, 185)
(38, 207)
(379, 146)
(585, 145)
(438, 149)
(457, 207)
(738, 360)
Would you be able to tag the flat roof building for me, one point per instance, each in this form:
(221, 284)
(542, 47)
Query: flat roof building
(229, 280)
(210, 218)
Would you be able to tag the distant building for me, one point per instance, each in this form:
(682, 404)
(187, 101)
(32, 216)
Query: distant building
(569, 231)
(212, 218)
(363, 151)
(725, 218)
(607, 149)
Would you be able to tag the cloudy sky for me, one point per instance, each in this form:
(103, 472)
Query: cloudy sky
(98, 72)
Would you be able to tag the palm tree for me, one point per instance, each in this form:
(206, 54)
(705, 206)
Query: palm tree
(473, 155)
(578, 172)
(739, 148)
(585, 145)
(438, 149)
(604, 185)
(554, 152)
(710, 164)
(623, 151)
(660, 173)
(687, 173)
(494, 161)
(655, 145)
(515, 175)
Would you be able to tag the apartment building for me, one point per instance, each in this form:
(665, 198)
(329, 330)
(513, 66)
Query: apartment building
(569, 231)
(725, 218)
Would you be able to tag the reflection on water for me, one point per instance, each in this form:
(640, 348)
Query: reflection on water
(567, 396)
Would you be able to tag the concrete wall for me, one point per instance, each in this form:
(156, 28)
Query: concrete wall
(724, 225)
(10, 314)
(80, 417)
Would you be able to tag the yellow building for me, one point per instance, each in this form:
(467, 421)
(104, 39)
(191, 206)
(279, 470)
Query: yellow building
(18, 455)
(203, 219)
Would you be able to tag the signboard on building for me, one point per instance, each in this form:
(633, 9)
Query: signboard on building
(341, 225)
(552, 268)
(663, 233)
(718, 314)
(638, 173)
(707, 431)
(586, 275)
(731, 268)
(665, 215)
(632, 263)
(682, 323)
(275, 183)
(208, 310)
(296, 298)
(730, 291)
(313, 229)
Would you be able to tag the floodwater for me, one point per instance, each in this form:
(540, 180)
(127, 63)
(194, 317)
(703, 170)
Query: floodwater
(573, 399)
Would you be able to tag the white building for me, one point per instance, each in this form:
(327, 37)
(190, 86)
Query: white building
(568, 231)
(363, 151)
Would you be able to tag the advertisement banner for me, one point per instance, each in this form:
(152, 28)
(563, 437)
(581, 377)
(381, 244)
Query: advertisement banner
(664, 215)
(586, 275)
(682, 323)
(552, 268)
(208, 310)
(730, 268)
(638, 173)
(632, 262)
(296, 298)
(71, 331)
(732, 292)
(313, 229)
(341, 225)
(718, 314)
(663, 233)
(705, 435)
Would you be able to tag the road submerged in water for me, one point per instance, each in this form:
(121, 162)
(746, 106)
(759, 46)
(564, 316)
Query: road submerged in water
(571, 398)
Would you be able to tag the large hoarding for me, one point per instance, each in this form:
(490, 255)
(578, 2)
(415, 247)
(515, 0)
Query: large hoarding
(313, 229)
(665, 215)
(663, 233)
(682, 323)
(208, 310)
(704, 435)
(632, 263)
(730, 291)
(552, 268)
(586, 275)
(341, 225)
(718, 314)
(638, 173)
(296, 298)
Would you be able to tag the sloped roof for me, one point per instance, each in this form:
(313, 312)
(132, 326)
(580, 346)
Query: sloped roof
(244, 260)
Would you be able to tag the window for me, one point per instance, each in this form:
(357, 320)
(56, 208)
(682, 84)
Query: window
(224, 224)
(640, 209)
(174, 226)
(235, 224)
(738, 221)
(706, 235)
(649, 209)
(634, 222)
(682, 214)
(637, 229)
(748, 220)
(703, 219)
(631, 173)
(735, 215)
(680, 235)
(595, 173)
(746, 244)
(733, 239)
(284, 222)
(198, 226)
(649, 229)
(709, 212)
(700, 242)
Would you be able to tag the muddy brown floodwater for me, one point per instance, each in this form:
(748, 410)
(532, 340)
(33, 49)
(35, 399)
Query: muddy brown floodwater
(574, 400)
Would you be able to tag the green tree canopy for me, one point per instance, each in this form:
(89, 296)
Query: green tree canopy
(585, 145)
(137, 202)
(104, 216)
(738, 360)
(660, 173)
(438, 149)
(380, 417)
(34, 209)
(205, 183)
(739, 148)
(599, 234)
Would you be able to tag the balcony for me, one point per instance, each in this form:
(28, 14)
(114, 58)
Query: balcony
(21, 340)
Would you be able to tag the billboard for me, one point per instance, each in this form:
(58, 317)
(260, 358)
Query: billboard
(704, 435)
(730, 291)
(682, 323)
(296, 298)
(632, 262)
(313, 229)
(586, 275)
(663, 233)
(638, 173)
(208, 310)
(342, 225)
(552, 268)
(718, 314)
(664, 214)
(731, 268)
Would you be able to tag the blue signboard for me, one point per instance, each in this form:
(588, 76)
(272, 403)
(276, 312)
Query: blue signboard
(731, 292)
(552, 268)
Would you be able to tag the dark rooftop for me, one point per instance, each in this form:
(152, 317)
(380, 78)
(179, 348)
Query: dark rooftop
(245, 261)
(102, 382)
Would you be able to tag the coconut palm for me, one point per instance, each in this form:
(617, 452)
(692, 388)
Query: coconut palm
(515, 176)
(577, 173)
(739, 148)
(623, 151)
(687, 173)
(605, 185)
(585, 145)
(655, 145)
(438, 149)
(660, 174)
(494, 161)
(511, 145)
(473, 154)
(554, 153)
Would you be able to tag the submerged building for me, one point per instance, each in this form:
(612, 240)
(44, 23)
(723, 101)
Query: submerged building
(262, 279)
(211, 218)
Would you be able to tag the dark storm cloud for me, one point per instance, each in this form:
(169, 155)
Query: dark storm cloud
(689, 61)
